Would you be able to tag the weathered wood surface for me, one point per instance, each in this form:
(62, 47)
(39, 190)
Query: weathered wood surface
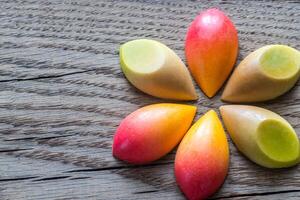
(62, 95)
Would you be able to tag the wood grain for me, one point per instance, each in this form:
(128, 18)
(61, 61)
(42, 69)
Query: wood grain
(62, 95)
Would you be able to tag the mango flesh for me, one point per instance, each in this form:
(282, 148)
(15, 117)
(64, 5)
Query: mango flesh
(277, 140)
(151, 132)
(211, 49)
(202, 158)
(264, 75)
(280, 62)
(155, 69)
(261, 135)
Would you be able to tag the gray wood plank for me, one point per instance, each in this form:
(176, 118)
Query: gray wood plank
(62, 95)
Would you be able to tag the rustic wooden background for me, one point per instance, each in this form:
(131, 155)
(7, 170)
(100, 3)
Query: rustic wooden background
(62, 95)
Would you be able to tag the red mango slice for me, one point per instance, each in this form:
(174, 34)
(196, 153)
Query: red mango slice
(202, 158)
(211, 49)
(151, 132)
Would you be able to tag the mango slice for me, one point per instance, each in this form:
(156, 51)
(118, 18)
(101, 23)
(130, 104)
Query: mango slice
(264, 75)
(156, 70)
(202, 158)
(211, 49)
(151, 132)
(261, 135)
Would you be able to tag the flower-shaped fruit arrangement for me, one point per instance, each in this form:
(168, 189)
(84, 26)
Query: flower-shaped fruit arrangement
(202, 158)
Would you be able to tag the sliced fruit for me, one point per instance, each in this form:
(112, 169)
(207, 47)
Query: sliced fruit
(211, 49)
(151, 132)
(264, 74)
(263, 136)
(202, 158)
(155, 69)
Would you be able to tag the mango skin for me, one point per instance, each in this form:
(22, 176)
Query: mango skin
(202, 158)
(241, 122)
(211, 49)
(151, 132)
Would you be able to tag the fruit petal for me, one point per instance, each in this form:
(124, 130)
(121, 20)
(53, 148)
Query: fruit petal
(211, 49)
(151, 132)
(155, 69)
(263, 136)
(264, 74)
(202, 158)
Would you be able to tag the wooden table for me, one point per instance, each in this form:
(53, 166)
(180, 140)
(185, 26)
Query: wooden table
(62, 95)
